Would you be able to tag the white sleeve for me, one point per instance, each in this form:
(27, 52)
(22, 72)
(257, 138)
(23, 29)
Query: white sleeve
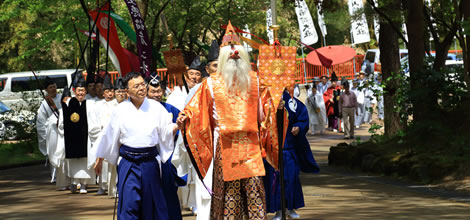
(52, 137)
(60, 148)
(191, 93)
(180, 157)
(107, 145)
(165, 133)
(94, 125)
(41, 128)
(94, 130)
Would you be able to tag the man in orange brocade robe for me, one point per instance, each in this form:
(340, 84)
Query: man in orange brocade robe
(223, 123)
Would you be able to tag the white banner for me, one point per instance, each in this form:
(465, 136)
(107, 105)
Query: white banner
(308, 34)
(376, 23)
(269, 22)
(376, 27)
(359, 27)
(321, 21)
(427, 3)
(247, 47)
(405, 32)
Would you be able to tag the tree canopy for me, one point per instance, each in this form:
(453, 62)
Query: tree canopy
(41, 32)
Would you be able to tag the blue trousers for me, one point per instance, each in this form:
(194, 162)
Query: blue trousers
(139, 185)
(293, 189)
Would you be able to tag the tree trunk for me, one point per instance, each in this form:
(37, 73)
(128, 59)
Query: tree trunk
(390, 60)
(416, 29)
(465, 8)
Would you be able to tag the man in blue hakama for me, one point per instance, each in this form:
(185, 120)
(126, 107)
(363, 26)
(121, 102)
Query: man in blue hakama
(297, 156)
(139, 131)
(170, 179)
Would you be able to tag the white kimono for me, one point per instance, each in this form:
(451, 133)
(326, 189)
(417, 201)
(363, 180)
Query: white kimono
(180, 159)
(369, 100)
(44, 112)
(89, 98)
(317, 120)
(380, 102)
(56, 151)
(177, 97)
(359, 117)
(194, 193)
(104, 109)
(81, 170)
(148, 126)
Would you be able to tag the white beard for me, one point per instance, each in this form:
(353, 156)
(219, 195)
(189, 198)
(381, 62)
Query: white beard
(236, 74)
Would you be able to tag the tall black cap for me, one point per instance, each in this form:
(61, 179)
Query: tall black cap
(119, 84)
(79, 81)
(90, 78)
(213, 52)
(196, 64)
(107, 82)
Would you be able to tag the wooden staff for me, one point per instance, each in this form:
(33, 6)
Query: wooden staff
(280, 120)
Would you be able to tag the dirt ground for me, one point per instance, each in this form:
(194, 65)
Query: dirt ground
(332, 194)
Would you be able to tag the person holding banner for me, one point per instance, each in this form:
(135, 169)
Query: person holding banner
(49, 107)
(221, 126)
(297, 157)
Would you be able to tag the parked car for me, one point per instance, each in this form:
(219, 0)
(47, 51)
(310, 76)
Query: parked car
(455, 68)
(15, 123)
(18, 90)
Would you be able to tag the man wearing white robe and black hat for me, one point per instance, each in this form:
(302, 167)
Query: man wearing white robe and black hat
(80, 129)
(49, 107)
(178, 98)
(55, 146)
(104, 109)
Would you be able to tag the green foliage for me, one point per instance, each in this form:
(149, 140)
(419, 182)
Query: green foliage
(19, 153)
(44, 36)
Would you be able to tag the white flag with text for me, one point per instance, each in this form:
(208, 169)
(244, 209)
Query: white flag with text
(359, 27)
(308, 34)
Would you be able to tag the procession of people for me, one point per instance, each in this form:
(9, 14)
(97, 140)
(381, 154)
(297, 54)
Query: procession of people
(202, 149)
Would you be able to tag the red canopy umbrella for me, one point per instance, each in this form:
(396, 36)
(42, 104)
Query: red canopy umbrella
(337, 54)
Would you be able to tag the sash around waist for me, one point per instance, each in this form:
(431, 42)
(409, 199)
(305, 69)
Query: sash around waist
(138, 154)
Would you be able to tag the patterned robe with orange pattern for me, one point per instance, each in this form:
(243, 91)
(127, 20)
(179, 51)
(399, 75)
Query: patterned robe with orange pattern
(246, 123)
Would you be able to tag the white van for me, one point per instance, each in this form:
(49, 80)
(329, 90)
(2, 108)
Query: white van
(21, 89)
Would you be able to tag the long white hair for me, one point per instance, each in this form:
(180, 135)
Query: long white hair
(235, 72)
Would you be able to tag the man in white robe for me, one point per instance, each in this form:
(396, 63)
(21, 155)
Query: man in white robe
(380, 98)
(121, 95)
(78, 140)
(90, 86)
(104, 109)
(177, 98)
(138, 130)
(56, 149)
(49, 107)
(359, 117)
(316, 111)
(369, 102)
(180, 157)
(323, 85)
(99, 89)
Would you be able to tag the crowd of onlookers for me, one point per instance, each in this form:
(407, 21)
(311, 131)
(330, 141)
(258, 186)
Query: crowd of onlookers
(343, 105)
